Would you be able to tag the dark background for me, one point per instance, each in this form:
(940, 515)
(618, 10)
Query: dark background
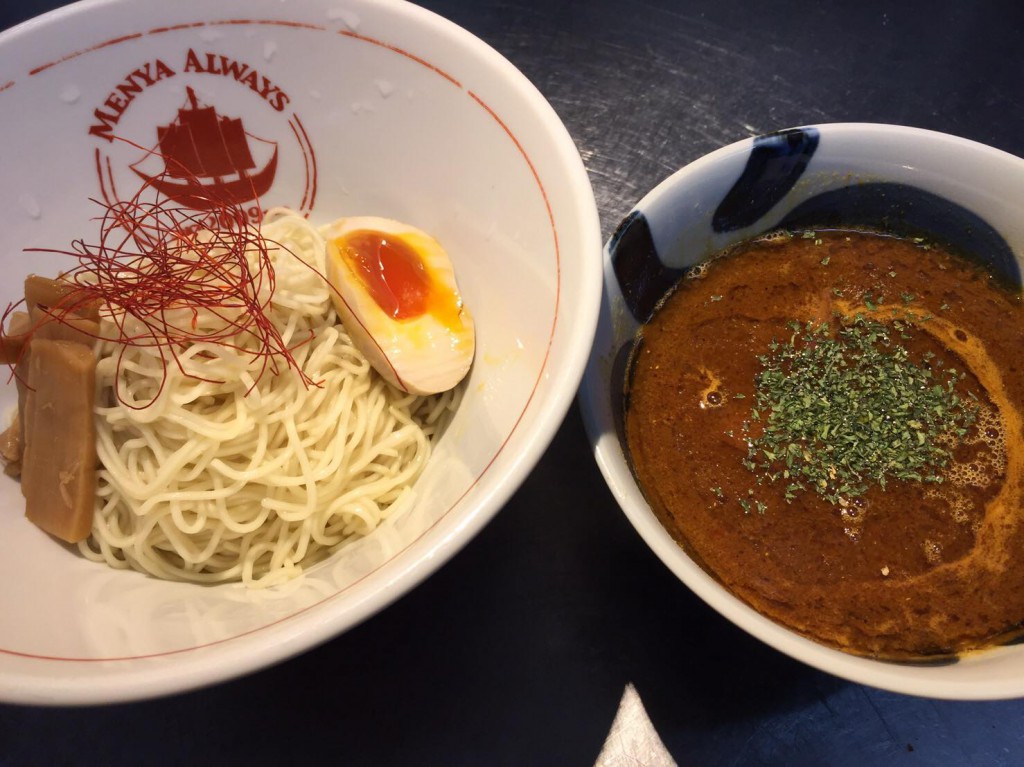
(517, 651)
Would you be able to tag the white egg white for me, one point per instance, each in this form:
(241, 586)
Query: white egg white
(423, 354)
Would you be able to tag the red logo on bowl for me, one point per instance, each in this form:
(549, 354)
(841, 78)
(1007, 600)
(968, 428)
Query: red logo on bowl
(203, 155)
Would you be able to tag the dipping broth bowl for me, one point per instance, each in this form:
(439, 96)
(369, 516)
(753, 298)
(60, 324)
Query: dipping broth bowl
(878, 177)
(351, 107)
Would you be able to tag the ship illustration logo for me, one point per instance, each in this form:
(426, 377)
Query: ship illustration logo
(208, 159)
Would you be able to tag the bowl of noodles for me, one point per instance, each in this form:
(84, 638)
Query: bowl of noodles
(295, 298)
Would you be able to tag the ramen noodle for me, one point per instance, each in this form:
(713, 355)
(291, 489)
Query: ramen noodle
(214, 468)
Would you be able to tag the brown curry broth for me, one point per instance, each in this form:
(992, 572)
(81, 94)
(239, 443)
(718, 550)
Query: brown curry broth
(921, 569)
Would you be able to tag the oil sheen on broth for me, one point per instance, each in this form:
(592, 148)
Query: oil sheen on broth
(830, 424)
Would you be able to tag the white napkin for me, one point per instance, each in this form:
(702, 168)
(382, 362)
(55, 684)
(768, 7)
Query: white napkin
(633, 741)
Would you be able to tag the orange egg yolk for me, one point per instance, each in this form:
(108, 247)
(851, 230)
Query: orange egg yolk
(394, 275)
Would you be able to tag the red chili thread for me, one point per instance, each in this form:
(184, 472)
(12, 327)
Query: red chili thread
(155, 257)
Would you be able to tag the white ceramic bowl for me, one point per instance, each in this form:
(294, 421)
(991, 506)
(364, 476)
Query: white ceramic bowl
(867, 175)
(377, 108)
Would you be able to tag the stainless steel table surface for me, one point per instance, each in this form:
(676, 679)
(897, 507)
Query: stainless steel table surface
(518, 650)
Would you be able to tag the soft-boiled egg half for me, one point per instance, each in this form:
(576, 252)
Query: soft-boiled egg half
(394, 289)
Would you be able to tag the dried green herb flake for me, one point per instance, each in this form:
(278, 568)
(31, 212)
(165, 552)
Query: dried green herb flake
(844, 409)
